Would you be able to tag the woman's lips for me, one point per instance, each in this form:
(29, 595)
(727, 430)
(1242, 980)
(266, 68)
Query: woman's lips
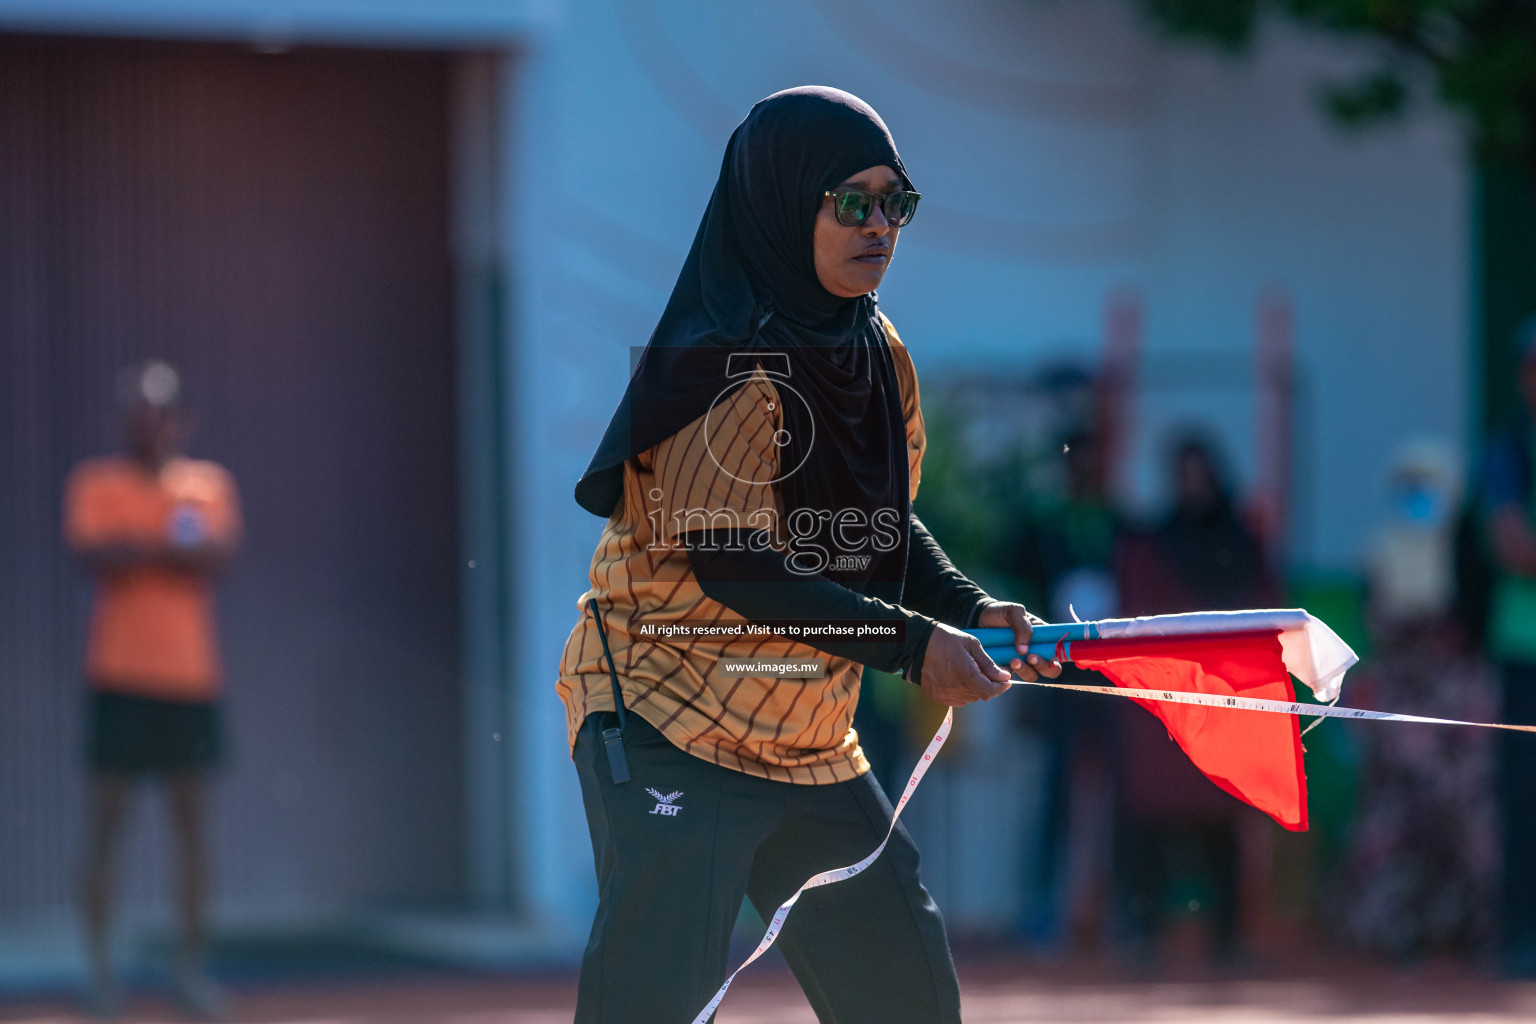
(874, 259)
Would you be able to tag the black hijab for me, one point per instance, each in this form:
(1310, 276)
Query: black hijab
(749, 285)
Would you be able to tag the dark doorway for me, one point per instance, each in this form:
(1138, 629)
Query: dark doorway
(278, 226)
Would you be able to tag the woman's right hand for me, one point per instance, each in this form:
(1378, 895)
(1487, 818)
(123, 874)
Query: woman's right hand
(957, 671)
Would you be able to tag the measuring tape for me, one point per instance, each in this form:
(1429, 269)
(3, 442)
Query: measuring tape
(1274, 707)
(1210, 700)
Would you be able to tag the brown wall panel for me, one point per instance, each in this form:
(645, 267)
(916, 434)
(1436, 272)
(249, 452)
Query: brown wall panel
(276, 225)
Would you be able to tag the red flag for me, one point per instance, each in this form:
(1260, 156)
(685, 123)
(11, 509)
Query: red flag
(1255, 757)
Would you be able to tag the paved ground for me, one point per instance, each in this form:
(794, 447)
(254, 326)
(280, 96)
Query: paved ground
(998, 990)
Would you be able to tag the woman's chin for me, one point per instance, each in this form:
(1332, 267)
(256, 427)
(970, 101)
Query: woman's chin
(860, 283)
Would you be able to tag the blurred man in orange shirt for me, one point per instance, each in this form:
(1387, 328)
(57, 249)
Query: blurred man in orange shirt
(154, 529)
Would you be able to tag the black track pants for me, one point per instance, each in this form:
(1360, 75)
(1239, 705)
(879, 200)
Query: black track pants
(674, 864)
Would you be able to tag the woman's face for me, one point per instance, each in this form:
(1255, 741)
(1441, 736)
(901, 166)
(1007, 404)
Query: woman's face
(851, 261)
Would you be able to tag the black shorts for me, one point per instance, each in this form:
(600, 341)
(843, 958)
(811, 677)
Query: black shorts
(142, 734)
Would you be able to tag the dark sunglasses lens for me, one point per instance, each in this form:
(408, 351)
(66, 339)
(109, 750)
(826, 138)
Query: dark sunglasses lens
(853, 208)
(899, 207)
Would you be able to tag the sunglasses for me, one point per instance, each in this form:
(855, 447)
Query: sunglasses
(853, 207)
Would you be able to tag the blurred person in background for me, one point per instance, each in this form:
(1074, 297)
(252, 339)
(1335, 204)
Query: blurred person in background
(1509, 504)
(1420, 874)
(154, 529)
(1177, 836)
(1066, 549)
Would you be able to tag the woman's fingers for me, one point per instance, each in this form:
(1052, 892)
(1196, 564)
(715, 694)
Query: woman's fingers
(1031, 668)
(1023, 629)
(993, 679)
(958, 671)
(980, 659)
(1049, 669)
(1027, 667)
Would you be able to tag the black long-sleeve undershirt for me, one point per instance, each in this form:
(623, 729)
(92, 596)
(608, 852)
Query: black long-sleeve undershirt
(934, 587)
(741, 571)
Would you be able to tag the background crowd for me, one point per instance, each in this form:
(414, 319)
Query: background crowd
(1423, 841)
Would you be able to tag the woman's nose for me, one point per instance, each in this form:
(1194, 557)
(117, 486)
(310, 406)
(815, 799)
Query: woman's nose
(876, 225)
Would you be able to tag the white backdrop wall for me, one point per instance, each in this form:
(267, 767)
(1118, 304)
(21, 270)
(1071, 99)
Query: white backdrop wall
(1062, 154)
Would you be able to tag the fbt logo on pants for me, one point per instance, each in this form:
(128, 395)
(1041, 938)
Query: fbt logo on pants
(665, 805)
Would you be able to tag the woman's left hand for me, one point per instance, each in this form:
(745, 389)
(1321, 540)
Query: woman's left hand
(1006, 614)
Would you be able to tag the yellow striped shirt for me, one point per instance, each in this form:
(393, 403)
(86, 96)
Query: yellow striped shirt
(792, 730)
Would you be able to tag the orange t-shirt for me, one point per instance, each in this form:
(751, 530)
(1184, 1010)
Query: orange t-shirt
(152, 627)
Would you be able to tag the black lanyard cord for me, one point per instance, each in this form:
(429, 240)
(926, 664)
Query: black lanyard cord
(613, 742)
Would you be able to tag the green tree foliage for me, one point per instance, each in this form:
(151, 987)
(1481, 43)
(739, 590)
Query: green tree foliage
(1479, 54)
(975, 508)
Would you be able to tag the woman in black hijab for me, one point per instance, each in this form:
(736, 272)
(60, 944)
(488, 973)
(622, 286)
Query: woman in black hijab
(1171, 829)
(760, 468)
